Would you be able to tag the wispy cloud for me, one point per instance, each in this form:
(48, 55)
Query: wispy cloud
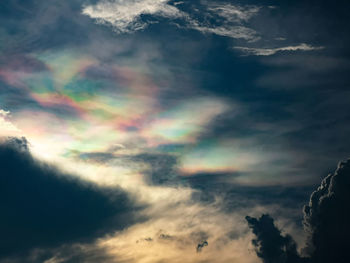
(237, 32)
(125, 16)
(235, 13)
(230, 21)
(271, 51)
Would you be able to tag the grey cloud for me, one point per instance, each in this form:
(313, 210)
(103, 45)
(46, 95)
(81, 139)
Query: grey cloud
(326, 217)
(44, 208)
(147, 239)
(159, 168)
(166, 237)
(325, 222)
(86, 253)
(200, 246)
(270, 245)
(99, 157)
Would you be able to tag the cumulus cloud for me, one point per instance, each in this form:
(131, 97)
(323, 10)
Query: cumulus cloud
(272, 51)
(270, 245)
(42, 207)
(326, 217)
(125, 16)
(326, 222)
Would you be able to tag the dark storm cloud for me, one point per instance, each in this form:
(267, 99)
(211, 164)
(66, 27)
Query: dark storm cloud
(45, 208)
(271, 246)
(326, 217)
(325, 222)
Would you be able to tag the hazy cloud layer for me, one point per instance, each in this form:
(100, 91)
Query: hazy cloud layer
(165, 109)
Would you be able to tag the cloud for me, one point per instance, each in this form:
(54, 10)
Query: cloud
(4, 113)
(234, 13)
(326, 222)
(6, 126)
(200, 246)
(270, 245)
(125, 16)
(271, 51)
(160, 168)
(43, 207)
(229, 21)
(237, 32)
(326, 217)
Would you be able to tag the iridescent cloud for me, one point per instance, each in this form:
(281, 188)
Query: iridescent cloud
(87, 106)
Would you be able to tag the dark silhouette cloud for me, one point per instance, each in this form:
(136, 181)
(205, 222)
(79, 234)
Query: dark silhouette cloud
(42, 207)
(326, 217)
(326, 220)
(271, 246)
(200, 246)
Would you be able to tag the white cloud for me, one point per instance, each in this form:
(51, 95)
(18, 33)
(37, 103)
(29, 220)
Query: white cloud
(234, 13)
(6, 127)
(4, 113)
(237, 32)
(272, 51)
(230, 21)
(125, 16)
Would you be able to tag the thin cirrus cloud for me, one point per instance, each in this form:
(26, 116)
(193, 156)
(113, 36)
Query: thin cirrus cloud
(271, 51)
(235, 13)
(232, 20)
(126, 17)
(237, 32)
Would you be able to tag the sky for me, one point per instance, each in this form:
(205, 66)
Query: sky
(146, 131)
